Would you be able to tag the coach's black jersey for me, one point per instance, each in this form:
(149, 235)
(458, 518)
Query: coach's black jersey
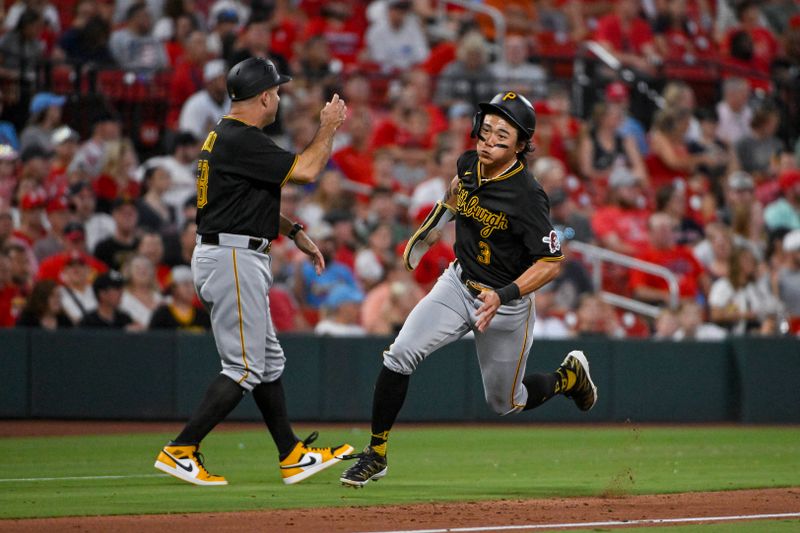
(503, 224)
(239, 178)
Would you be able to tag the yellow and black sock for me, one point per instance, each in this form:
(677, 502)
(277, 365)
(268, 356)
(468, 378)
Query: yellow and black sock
(379, 441)
(390, 393)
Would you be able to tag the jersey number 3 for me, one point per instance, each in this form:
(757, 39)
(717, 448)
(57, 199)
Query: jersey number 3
(202, 183)
(485, 254)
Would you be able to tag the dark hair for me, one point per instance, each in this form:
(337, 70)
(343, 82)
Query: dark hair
(663, 196)
(706, 114)
(37, 301)
(762, 113)
(28, 17)
(134, 10)
(742, 6)
(742, 45)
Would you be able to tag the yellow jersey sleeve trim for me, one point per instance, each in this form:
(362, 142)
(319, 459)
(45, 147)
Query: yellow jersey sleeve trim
(552, 259)
(289, 174)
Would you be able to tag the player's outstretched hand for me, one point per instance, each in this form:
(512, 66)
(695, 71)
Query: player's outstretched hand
(307, 246)
(333, 113)
(486, 312)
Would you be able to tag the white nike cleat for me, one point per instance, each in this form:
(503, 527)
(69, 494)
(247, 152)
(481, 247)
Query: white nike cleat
(186, 463)
(305, 461)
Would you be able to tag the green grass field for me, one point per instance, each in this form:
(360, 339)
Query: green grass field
(426, 464)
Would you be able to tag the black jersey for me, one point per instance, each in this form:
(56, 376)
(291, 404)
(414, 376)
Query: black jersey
(239, 178)
(503, 224)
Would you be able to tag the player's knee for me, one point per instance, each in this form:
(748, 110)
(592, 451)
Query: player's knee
(501, 405)
(399, 361)
(245, 378)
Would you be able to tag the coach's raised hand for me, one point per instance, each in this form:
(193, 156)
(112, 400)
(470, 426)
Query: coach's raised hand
(333, 114)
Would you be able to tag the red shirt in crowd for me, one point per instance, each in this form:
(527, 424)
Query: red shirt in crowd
(107, 188)
(630, 225)
(679, 260)
(7, 296)
(631, 39)
(51, 267)
(344, 39)
(355, 164)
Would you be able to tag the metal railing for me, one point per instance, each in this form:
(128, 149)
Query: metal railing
(596, 257)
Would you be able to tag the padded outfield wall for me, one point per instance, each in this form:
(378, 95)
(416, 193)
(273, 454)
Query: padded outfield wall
(84, 374)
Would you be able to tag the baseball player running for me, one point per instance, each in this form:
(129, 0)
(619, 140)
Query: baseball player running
(239, 178)
(505, 249)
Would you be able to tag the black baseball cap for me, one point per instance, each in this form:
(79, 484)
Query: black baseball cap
(253, 76)
(110, 280)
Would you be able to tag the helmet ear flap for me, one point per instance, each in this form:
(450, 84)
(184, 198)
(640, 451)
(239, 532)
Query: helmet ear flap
(477, 122)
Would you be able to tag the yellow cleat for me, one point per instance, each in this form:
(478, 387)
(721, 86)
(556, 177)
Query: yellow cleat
(186, 463)
(305, 461)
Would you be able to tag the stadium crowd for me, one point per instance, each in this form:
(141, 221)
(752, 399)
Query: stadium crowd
(97, 226)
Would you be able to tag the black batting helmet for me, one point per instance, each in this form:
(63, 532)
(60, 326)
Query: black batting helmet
(511, 106)
(253, 76)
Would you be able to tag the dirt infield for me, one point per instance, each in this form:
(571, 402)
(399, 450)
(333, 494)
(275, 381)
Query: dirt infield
(483, 514)
(440, 515)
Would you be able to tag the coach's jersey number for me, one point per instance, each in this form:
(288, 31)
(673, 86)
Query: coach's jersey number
(485, 253)
(202, 171)
(202, 183)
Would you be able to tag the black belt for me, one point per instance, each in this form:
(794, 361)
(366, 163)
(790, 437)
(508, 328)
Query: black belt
(252, 244)
(474, 287)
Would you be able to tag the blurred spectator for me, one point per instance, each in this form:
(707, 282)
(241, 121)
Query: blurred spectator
(108, 292)
(97, 226)
(180, 252)
(355, 159)
(74, 243)
(221, 38)
(621, 225)
(342, 223)
(8, 172)
(742, 211)
(175, 17)
(693, 327)
(758, 151)
(21, 268)
(567, 220)
(65, 145)
(115, 250)
(664, 251)
(395, 41)
(788, 279)
(204, 109)
(43, 308)
(76, 293)
(21, 48)
(117, 179)
(572, 283)
(85, 42)
(548, 325)
(778, 14)
(141, 294)
(666, 325)
(154, 213)
(181, 165)
(343, 26)
(57, 218)
(31, 211)
(180, 312)
(254, 42)
(133, 46)
(45, 117)
(327, 196)
(151, 246)
(719, 159)
(187, 78)
(764, 46)
(618, 93)
(341, 313)
(680, 95)
(6, 222)
(678, 36)
(514, 72)
(785, 212)
(468, 78)
(310, 289)
(372, 260)
(315, 66)
(8, 292)
(715, 250)
(90, 159)
(48, 12)
(232, 8)
(734, 112)
(33, 172)
(602, 149)
(595, 318)
(671, 200)
(388, 304)
(742, 301)
(627, 36)
(670, 157)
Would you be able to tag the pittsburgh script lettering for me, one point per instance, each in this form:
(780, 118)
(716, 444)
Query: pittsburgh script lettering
(472, 208)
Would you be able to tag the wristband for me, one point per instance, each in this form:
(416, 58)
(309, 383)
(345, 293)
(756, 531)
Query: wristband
(508, 293)
(296, 228)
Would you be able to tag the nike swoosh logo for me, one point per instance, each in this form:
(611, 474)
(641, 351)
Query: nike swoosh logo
(189, 468)
(311, 460)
